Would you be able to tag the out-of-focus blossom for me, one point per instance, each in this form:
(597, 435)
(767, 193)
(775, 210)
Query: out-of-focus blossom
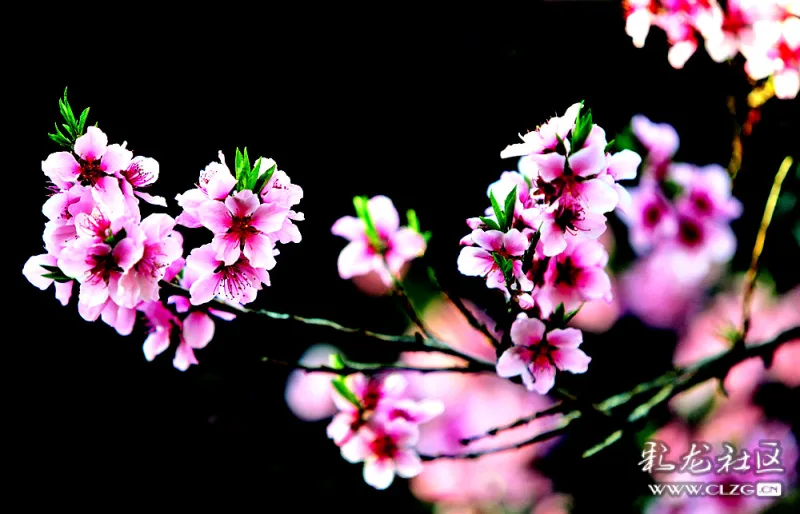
(705, 338)
(765, 32)
(387, 253)
(310, 395)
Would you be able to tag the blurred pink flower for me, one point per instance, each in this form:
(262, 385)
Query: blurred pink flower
(770, 316)
(309, 395)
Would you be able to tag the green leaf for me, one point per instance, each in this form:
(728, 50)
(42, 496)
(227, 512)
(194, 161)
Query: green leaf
(671, 189)
(57, 277)
(263, 180)
(610, 145)
(53, 269)
(508, 211)
(115, 238)
(427, 236)
(82, 121)
(336, 361)
(498, 212)
(242, 166)
(361, 204)
(252, 176)
(561, 148)
(608, 441)
(582, 129)
(644, 409)
(568, 317)
(489, 222)
(341, 387)
(413, 221)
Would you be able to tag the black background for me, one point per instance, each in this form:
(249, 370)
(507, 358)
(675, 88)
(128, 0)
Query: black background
(417, 110)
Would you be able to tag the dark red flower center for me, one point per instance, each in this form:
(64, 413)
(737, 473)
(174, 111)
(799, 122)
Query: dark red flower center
(384, 446)
(90, 173)
(690, 232)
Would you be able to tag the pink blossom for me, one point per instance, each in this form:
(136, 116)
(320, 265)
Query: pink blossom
(96, 159)
(705, 192)
(480, 260)
(141, 173)
(196, 330)
(240, 226)
(536, 356)
(34, 272)
(545, 138)
(373, 393)
(238, 282)
(397, 245)
(216, 183)
(566, 220)
(162, 246)
(775, 52)
(96, 265)
(575, 276)
(386, 451)
(651, 218)
(659, 139)
(310, 395)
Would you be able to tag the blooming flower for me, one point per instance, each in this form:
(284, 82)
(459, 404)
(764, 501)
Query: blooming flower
(238, 282)
(216, 183)
(536, 356)
(96, 160)
(480, 261)
(394, 248)
(240, 226)
(386, 451)
(34, 272)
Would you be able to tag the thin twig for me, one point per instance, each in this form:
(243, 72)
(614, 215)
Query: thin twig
(352, 368)
(550, 411)
(403, 343)
(400, 293)
(544, 436)
(758, 247)
(473, 321)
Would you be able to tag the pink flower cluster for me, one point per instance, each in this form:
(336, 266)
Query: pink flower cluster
(538, 242)
(765, 32)
(679, 222)
(379, 426)
(246, 223)
(378, 245)
(95, 236)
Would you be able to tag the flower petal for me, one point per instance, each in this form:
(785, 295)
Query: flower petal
(198, 329)
(527, 331)
(379, 473)
(215, 216)
(565, 338)
(242, 204)
(572, 360)
(513, 362)
(92, 145)
(384, 215)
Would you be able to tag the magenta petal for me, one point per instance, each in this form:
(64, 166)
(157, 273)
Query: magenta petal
(156, 343)
(356, 259)
(184, 357)
(92, 145)
(574, 361)
(258, 249)
(379, 472)
(383, 214)
(355, 449)
(551, 165)
(623, 165)
(204, 289)
(128, 252)
(349, 227)
(203, 259)
(152, 200)
(242, 204)
(513, 362)
(181, 303)
(565, 338)
(408, 243)
(269, 217)
(490, 239)
(515, 242)
(126, 319)
(474, 262)
(93, 293)
(588, 254)
(527, 331)
(116, 159)
(61, 167)
(593, 284)
(64, 292)
(588, 161)
(215, 216)
(544, 374)
(599, 196)
(552, 240)
(198, 329)
(33, 270)
(227, 316)
(228, 248)
(408, 464)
